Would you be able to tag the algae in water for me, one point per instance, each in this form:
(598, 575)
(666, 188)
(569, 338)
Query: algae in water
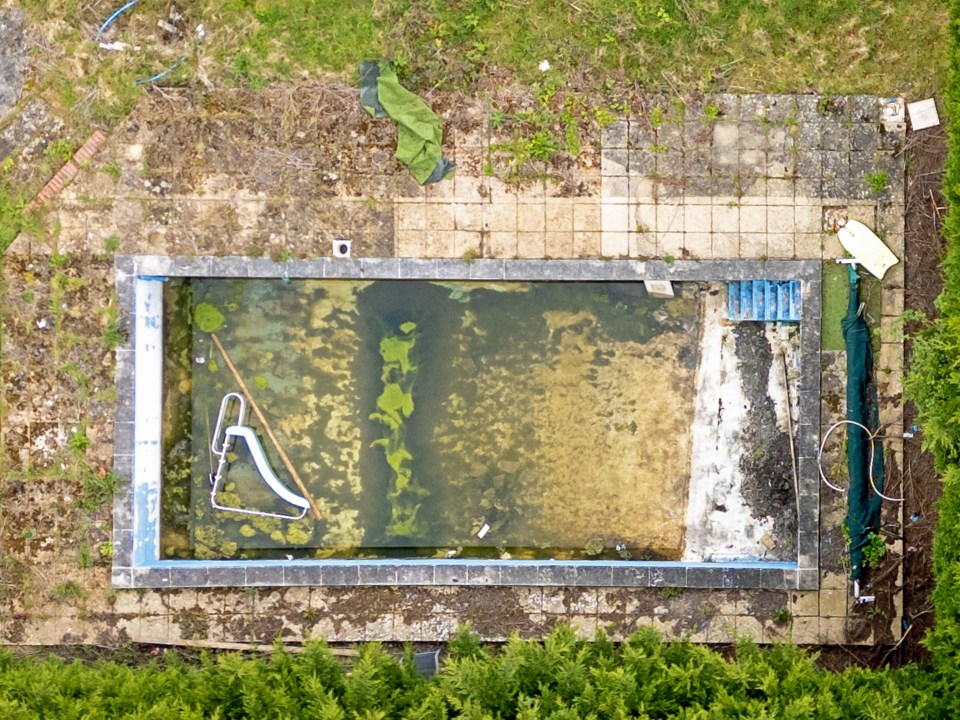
(394, 400)
(208, 317)
(396, 405)
(396, 353)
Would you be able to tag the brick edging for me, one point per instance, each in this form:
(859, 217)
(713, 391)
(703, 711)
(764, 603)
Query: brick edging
(69, 171)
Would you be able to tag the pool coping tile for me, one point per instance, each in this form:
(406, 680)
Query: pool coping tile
(172, 573)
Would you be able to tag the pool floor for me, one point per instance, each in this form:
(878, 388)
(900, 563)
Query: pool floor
(478, 420)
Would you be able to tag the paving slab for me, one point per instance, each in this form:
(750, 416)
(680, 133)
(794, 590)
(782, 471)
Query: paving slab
(756, 188)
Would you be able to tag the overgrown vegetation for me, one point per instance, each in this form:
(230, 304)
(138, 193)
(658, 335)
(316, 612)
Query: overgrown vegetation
(837, 46)
(877, 182)
(933, 383)
(560, 678)
(840, 46)
(874, 551)
(11, 214)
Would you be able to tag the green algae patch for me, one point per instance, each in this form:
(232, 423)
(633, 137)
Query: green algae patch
(394, 400)
(396, 405)
(395, 352)
(208, 317)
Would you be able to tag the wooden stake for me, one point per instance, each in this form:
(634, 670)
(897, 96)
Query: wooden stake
(266, 427)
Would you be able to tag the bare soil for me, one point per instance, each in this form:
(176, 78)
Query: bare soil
(924, 250)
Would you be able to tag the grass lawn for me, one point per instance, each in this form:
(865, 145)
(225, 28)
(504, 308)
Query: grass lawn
(741, 45)
(836, 295)
(613, 46)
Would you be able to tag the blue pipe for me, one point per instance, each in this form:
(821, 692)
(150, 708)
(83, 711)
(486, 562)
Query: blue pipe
(114, 16)
(162, 73)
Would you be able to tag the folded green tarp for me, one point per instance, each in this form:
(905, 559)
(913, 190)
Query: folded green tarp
(419, 131)
(863, 504)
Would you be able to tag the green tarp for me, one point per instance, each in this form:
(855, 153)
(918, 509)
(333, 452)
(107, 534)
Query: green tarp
(419, 130)
(863, 504)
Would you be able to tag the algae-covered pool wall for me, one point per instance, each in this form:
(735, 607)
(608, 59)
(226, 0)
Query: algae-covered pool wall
(577, 425)
(520, 431)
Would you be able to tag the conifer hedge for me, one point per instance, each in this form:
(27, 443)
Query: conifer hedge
(562, 678)
(933, 383)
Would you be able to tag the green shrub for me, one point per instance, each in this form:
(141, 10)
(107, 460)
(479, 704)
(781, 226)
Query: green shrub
(933, 383)
(61, 150)
(874, 551)
(78, 440)
(561, 677)
(877, 182)
(66, 592)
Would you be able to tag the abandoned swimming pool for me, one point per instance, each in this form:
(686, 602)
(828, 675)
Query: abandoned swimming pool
(441, 422)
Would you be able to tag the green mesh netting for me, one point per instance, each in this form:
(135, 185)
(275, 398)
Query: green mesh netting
(863, 509)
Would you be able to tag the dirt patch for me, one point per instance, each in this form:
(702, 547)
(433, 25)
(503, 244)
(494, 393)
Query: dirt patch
(766, 466)
(194, 624)
(926, 154)
(56, 484)
(764, 604)
(494, 612)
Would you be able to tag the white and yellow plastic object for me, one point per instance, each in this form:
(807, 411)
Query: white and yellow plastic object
(866, 248)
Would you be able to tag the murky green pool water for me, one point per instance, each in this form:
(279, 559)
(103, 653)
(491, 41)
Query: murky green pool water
(433, 419)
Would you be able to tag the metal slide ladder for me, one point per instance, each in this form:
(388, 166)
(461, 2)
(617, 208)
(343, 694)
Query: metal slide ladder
(221, 448)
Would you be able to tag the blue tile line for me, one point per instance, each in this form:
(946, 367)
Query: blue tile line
(146, 485)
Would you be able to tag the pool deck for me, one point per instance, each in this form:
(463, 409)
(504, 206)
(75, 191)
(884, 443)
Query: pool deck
(138, 436)
(758, 184)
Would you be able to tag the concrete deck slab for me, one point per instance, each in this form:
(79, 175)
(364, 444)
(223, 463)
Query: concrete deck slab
(764, 156)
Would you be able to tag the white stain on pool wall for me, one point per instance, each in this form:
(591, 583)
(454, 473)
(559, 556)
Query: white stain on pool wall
(148, 413)
(721, 525)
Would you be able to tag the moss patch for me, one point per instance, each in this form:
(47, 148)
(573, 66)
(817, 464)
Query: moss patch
(207, 317)
(835, 293)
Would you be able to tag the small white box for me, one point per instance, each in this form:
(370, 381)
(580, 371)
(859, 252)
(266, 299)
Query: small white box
(659, 288)
(923, 114)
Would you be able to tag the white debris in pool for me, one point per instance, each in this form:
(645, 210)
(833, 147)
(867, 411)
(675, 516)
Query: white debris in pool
(779, 336)
(720, 526)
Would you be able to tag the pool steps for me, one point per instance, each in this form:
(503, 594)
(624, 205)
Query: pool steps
(764, 300)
